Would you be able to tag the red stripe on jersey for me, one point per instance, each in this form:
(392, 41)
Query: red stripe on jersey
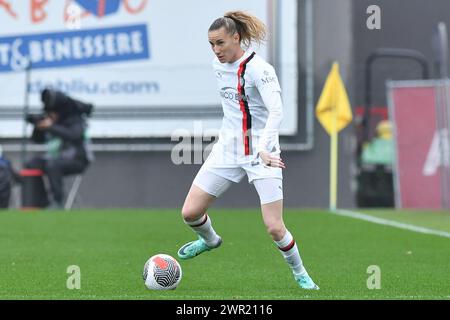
(246, 117)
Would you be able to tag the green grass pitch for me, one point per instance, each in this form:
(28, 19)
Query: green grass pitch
(111, 246)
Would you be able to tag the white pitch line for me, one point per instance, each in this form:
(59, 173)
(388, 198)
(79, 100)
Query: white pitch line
(410, 227)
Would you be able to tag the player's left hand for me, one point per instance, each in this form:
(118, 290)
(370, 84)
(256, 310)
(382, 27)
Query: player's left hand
(271, 160)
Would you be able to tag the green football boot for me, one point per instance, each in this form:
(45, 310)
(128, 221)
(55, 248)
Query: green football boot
(306, 282)
(194, 248)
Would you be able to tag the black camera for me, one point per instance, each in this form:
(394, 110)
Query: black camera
(34, 118)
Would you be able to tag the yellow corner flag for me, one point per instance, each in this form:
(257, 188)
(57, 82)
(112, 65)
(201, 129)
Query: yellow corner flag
(333, 109)
(334, 113)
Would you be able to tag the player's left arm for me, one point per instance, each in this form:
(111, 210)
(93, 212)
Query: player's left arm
(269, 88)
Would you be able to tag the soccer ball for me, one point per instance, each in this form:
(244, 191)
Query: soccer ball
(162, 272)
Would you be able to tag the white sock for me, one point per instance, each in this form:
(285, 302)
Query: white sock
(289, 250)
(204, 229)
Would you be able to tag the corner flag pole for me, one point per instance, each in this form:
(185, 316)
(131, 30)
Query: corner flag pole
(333, 168)
(334, 157)
(334, 112)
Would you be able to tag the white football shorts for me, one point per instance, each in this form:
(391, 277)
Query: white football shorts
(215, 178)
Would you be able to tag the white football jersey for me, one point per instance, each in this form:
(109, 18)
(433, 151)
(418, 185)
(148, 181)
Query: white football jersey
(252, 107)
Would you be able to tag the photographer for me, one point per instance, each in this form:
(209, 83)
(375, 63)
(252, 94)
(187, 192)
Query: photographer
(63, 127)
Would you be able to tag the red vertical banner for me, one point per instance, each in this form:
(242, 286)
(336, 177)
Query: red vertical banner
(413, 111)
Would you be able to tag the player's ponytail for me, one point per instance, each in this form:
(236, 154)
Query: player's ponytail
(249, 28)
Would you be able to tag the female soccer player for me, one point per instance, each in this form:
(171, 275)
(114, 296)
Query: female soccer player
(248, 140)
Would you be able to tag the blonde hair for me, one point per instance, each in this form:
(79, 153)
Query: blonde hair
(249, 27)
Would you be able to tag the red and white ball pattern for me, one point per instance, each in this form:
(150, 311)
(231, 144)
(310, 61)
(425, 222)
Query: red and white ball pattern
(162, 272)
